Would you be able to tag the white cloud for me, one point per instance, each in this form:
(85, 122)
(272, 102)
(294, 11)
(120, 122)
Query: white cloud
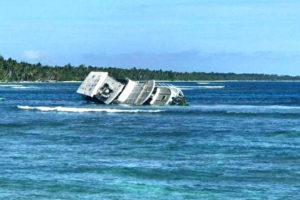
(32, 54)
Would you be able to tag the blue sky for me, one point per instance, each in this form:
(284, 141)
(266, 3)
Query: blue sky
(243, 36)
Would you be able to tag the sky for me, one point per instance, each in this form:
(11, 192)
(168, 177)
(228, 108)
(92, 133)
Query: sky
(241, 36)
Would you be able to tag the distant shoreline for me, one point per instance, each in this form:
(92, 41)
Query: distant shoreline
(14, 71)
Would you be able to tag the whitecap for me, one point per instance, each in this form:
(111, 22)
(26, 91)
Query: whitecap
(21, 87)
(249, 108)
(202, 87)
(17, 86)
(76, 109)
(10, 85)
(203, 83)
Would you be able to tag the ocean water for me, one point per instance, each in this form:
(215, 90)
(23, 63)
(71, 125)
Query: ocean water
(236, 140)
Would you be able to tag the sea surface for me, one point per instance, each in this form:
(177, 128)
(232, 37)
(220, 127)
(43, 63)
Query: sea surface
(236, 140)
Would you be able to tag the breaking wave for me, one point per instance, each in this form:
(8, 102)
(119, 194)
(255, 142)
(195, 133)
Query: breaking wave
(17, 86)
(74, 109)
(196, 109)
(22, 87)
(248, 109)
(201, 87)
(203, 83)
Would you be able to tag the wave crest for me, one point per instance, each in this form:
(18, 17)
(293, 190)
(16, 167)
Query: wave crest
(248, 108)
(201, 87)
(13, 86)
(74, 109)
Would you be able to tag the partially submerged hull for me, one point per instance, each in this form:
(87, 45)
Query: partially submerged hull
(105, 89)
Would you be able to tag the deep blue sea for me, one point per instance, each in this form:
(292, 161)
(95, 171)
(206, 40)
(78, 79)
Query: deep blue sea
(236, 140)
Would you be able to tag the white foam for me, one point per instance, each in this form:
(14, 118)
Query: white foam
(74, 109)
(202, 87)
(250, 108)
(203, 83)
(21, 87)
(10, 85)
(17, 86)
(212, 87)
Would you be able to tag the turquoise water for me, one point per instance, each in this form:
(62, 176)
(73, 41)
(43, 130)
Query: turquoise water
(236, 140)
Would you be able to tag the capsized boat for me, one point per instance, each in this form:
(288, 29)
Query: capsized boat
(100, 87)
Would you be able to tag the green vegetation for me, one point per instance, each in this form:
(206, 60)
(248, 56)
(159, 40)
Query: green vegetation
(11, 70)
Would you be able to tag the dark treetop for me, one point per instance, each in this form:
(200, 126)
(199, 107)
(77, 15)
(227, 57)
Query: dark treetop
(11, 70)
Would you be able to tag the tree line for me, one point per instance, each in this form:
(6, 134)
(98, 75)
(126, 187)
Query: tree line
(12, 70)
